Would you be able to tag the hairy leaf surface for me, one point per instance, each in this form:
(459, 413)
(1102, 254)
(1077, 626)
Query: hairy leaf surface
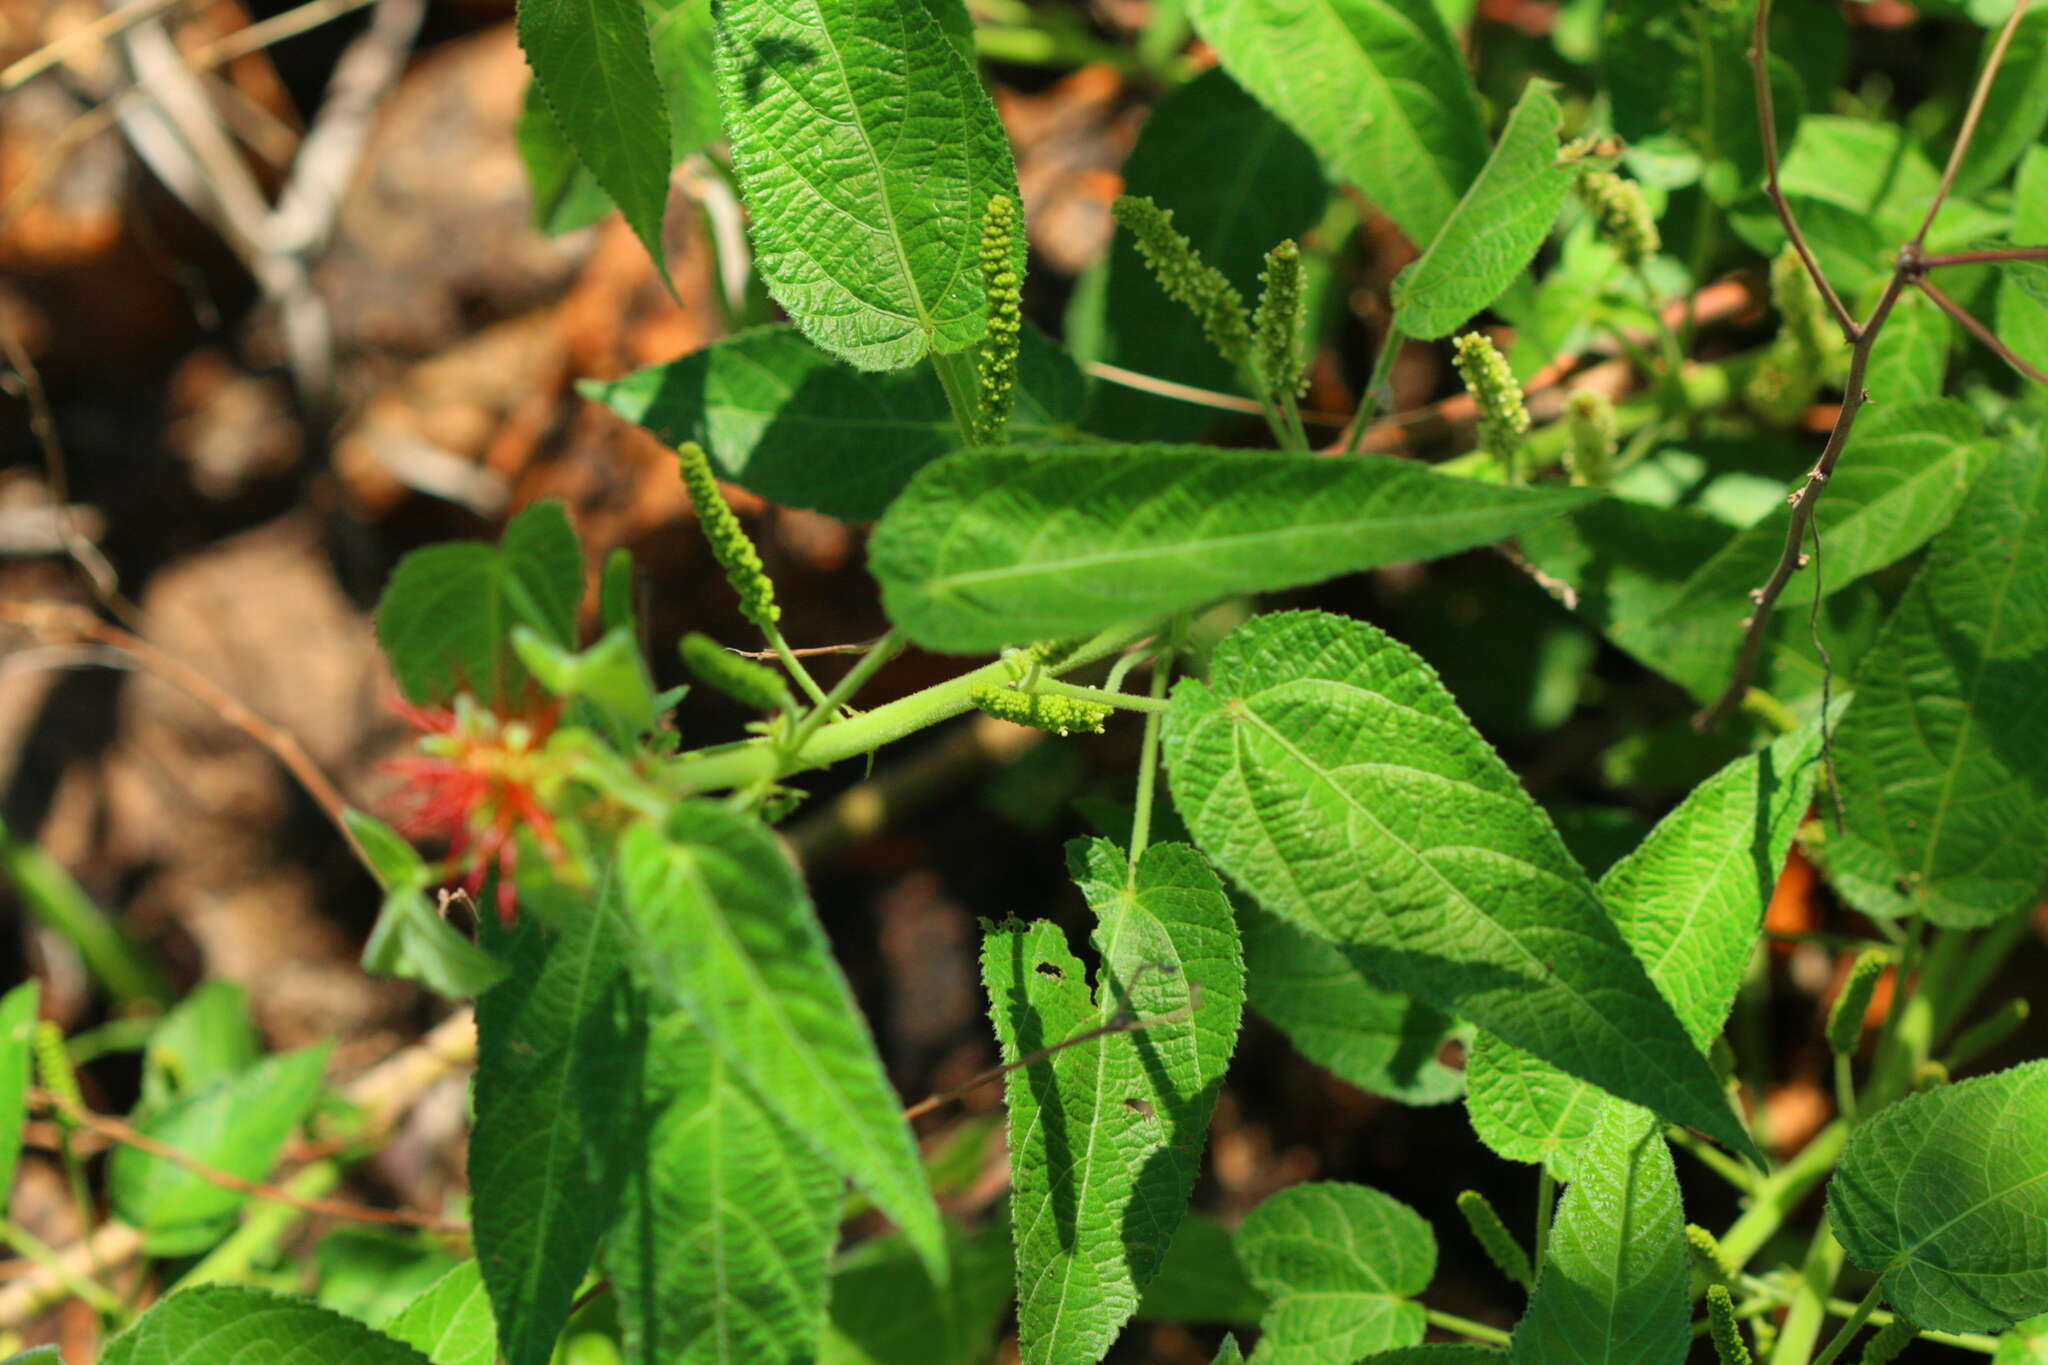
(727, 931)
(450, 1322)
(1377, 87)
(222, 1322)
(1943, 756)
(868, 151)
(1105, 1137)
(1324, 767)
(1945, 1195)
(994, 547)
(1342, 1265)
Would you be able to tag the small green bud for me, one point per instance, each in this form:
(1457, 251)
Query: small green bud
(1929, 1075)
(1186, 277)
(1707, 1255)
(1499, 1244)
(1041, 710)
(53, 1067)
(1885, 1347)
(1799, 303)
(745, 681)
(1726, 1330)
(996, 361)
(1852, 1002)
(1591, 416)
(1277, 322)
(1502, 416)
(728, 539)
(1620, 213)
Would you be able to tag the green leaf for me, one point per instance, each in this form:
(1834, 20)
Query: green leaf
(238, 1125)
(1868, 169)
(1616, 1281)
(2022, 315)
(1323, 998)
(727, 931)
(1229, 1353)
(1909, 358)
(371, 1274)
(867, 151)
(721, 1249)
(1945, 1195)
(1105, 1136)
(411, 939)
(450, 1322)
(446, 616)
(2025, 1344)
(1377, 87)
(17, 1034)
(1342, 1264)
(35, 1355)
(1525, 1109)
(611, 676)
(1237, 180)
(679, 39)
(1325, 768)
(1943, 756)
(1493, 234)
(2015, 112)
(784, 420)
(591, 61)
(1202, 1279)
(221, 1322)
(559, 1057)
(202, 1040)
(1440, 1354)
(994, 547)
(566, 196)
(885, 1310)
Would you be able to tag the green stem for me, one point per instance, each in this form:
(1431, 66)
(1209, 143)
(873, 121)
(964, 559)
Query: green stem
(1729, 1169)
(1369, 401)
(1780, 1193)
(88, 1290)
(793, 665)
(1964, 982)
(262, 1227)
(1850, 1328)
(958, 379)
(844, 690)
(1903, 1041)
(53, 897)
(1148, 761)
(1151, 706)
(1465, 1327)
(1546, 1205)
(1809, 1311)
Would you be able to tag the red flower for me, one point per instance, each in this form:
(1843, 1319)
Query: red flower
(472, 785)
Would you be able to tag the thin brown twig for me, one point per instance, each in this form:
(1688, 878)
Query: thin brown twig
(118, 1132)
(1967, 133)
(1934, 260)
(63, 47)
(1979, 330)
(1767, 128)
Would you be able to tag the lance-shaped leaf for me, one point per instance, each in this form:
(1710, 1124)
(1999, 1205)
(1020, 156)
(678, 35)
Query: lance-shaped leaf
(557, 1108)
(17, 1029)
(720, 1254)
(1342, 1265)
(992, 547)
(1945, 1196)
(229, 1322)
(868, 151)
(1616, 1280)
(1105, 1136)
(450, 1322)
(1377, 87)
(1690, 903)
(1492, 235)
(781, 418)
(1327, 770)
(592, 63)
(1943, 756)
(727, 931)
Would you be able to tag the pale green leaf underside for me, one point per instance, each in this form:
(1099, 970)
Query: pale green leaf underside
(1946, 1195)
(720, 1254)
(784, 420)
(215, 1323)
(1377, 87)
(1342, 1265)
(996, 547)
(1615, 1283)
(728, 932)
(1105, 1137)
(450, 1322)
(1325, 767)
(1943, 756)
(1493, 234)
(868, 151)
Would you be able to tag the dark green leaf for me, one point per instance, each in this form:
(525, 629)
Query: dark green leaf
(450, 1322)
(1327, 770)
(591, 61)
(1945, 1196)
(1202, 1279)
(995, 547)
(220, 1322)
(1342, 1265)
(566, 196)
(784, 420)
(1377, 87)
(868, 152)
(1490, 238)
(885, 1310)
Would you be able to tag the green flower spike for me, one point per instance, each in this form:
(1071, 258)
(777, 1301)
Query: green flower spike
(1799, 303)
(729, 544)
(996, 362)
(1186, 277)
(745, 681)
(1885, 1347)
(1493, 1236)
(1277, 324)
(1591, 416)
(1845, 1016)
(1707, 1254)
(1621, 214)
(1041, 711)
(1502, 417)
(1729, 1347)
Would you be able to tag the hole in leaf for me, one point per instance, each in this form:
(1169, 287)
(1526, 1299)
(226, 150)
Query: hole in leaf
(1047, 969)
(1136, 1105)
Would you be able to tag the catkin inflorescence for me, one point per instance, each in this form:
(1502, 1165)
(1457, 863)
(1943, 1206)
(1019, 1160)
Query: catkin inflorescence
(1621, 214)
(1593, 430)
(1724, 1328)
(1852, 1003)
(1276, 323)
(1186, 277)
(745, 681)
(996, 361)
(1886, 1346)
(728, 539)
(1041, 710)
(1707, 1255)
(1503, 417)
(53, 1067)
(1799, 303)
(1494, 1238)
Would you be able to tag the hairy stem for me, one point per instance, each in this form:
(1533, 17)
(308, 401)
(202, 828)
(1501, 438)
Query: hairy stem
(1148, 761)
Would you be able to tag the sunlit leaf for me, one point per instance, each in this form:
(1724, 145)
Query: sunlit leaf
(1342, 1265)
(222, 1322)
